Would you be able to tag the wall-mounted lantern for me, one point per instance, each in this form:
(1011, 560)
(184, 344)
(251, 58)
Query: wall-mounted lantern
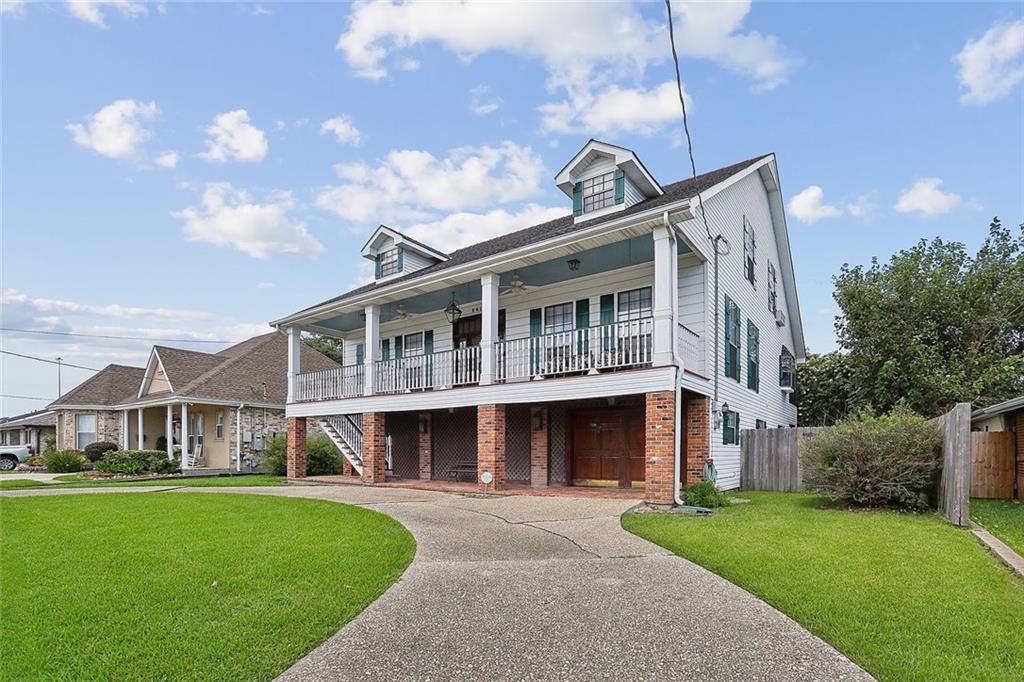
(574, 264)
(453, 312)
(424, 426)
(538, 421)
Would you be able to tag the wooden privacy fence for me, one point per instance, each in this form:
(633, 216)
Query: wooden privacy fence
(992, 464)
(955, 485)
(770, 458)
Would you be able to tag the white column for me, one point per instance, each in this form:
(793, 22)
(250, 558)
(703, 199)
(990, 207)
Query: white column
(169, 432)
(139, 435)
(371, 349)
(294, 362)
(488, 325)
(125, 445)
(664, 283)
(184, 436)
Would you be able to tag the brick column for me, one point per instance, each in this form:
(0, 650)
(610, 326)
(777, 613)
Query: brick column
(346, 467)
(698, 437)
(659, 452)
(296, 447)
(374, 447)
(539, 448)
(490, 436)
(426, 442)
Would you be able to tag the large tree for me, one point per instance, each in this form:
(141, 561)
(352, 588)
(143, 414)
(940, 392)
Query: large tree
(824, 389)
(327, 345)
(936, 325)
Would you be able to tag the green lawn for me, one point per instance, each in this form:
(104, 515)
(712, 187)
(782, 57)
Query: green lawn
(907, 597)
(78, 481)
(183, 586)
(1002, 518)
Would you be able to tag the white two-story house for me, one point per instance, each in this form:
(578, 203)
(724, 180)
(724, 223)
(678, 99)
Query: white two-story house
(624, 344)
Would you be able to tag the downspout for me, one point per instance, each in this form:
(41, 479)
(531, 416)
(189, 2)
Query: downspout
(238, 436)
(678, 361)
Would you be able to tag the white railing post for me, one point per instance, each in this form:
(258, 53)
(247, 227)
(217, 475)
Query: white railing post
(664, 283)
(371, 348)
(488, 326)
(294, 362)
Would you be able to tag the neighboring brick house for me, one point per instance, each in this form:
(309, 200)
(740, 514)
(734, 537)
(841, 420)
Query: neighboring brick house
(31, 428)
(625, 344)
(218, 408)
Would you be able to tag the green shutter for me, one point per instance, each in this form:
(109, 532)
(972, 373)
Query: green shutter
(535, 322)
(428, 351)
(535, 331)
(620, 186)
(398, 347)
(726, 428)
(401, 258)
(376, 266)
(577, 199)
(607, 318)
(385, 349)
(727, 346)
(736, 429)
(753, 357)
(582, 322)
(359, 354)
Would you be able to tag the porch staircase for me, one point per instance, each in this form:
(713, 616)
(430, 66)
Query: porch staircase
(345, 433)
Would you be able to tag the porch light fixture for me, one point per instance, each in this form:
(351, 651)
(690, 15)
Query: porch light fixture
(538, 421)
(423, 425)
(453, 312)
(574, 264)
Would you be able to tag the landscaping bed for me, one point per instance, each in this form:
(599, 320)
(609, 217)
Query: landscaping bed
(172, 586)
(906, 596)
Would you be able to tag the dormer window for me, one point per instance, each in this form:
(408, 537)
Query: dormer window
(598, 192)
(603, 178)
(390, 262)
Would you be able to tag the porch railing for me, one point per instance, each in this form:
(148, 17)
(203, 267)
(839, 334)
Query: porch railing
(458, 367)
(325, 384)
(609, 346)
(691, 350)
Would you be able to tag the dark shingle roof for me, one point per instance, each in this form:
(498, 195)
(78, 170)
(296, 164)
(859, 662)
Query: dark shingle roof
(182, 366)
(112, 385)
(677, 191)
(37, 418)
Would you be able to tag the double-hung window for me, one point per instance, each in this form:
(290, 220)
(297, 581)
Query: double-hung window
(787, 370)
(730, 428)
(753, 357)
(196, 435)
(598, 192)
(558, 318)
(749, 252)
(85, 430)
(773, 293)
(732, 339)
(389, 262)
(219, 425)
(635, 338)
(635, 304)
(413, 344)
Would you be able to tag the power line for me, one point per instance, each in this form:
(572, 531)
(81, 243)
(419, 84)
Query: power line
(25, 397)
(52, 362)
(112, 336)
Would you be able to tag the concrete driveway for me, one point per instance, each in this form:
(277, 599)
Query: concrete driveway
(551, 588)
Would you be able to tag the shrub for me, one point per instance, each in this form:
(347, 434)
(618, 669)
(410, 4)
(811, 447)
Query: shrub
(891, 460)
(95, 451)
(322, 456)
(49, 444)
(63, 461)
(161, 443)
(137, 462)
(275, 460)
(704, 494)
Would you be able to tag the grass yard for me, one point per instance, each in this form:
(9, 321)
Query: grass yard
(79, 481)
(173, 586)
(1002, 518)
(907, 597)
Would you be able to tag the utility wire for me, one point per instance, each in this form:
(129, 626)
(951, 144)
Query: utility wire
(111, 336)
(686, 126)
(25, 397)
(52, 362)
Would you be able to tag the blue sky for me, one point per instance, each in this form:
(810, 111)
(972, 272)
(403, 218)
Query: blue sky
(169, 170)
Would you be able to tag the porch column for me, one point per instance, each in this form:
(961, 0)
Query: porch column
(539, 446)
(425, 427)
(488, 325)
(125, 445)
(371, 347)
(294, 362)
(169, 432)
(664, 284)
(490, 436)
(184, 436)
(375, 447)
(698, 437)
(659, 449)
(139, 437)
(296, 447)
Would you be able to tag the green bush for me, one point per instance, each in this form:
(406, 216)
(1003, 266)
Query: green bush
(49, 444)
(137, 462)
(890, 460)
(322, 456)
(95, 451)
(161, 443)
(704, 494)
(63, 461)
(275, 460)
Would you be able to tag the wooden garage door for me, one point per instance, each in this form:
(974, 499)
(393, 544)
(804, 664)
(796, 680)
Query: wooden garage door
(608, 446)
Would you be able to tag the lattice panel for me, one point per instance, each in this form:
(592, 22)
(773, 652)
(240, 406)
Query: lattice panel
(405, 443)
(557, 443)
(454, 439)
(517, 442)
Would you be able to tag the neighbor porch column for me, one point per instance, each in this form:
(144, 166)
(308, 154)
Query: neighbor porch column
(659, 448)
(539, 446)
(169, 432)
(125, 445)
(139, 437)
(371, 347)
(184, 436)
(490, 436)
(296, 447)
(698, 437)
(664, 283)
(294, 359)
(488, 325)
(375, 447)
(425, 427)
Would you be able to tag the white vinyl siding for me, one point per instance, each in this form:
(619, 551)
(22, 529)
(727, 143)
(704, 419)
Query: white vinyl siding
(412, 261)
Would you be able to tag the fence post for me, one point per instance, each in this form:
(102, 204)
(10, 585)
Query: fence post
(955, 485)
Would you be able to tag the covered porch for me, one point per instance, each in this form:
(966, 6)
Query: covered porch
(202, 436)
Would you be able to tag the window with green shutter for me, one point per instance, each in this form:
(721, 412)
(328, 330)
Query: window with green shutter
(582, 322)
(385, 349)
(749, 252)
(753, 357)
(732, 339)
(607, 318)
(359, 354)
(760, 424)
(730, 428)
(398, 347)
(536, 329)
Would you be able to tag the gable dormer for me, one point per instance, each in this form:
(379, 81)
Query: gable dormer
(395, 254)
(603, 178)
(155, 379)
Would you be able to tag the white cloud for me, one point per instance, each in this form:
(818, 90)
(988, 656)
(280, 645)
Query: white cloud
(409, 64)
(345, 132)
(115, 130)
(17, 303)
(482, 101)
(808, 206)
(232, 137)
(925, 197)
(91, 11)
(265, 285)
(861, 206)
(414, 185)
(462, 229)
(990, 67)
(167, 159)
(230, 218)
(615, 109)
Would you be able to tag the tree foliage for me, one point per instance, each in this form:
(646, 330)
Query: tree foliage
(327, 345)
(935, 325)
(824, 396)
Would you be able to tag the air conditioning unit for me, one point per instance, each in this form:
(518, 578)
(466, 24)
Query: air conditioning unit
(780, 317)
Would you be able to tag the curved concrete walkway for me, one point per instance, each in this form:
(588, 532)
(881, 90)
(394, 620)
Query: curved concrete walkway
(549, 588)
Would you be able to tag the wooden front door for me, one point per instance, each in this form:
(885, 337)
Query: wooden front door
(608, 446)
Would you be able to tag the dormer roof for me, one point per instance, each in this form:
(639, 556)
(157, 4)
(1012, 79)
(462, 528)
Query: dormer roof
(624, 159)
(384, 234)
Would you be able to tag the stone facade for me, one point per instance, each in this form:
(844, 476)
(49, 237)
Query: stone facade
(490, 428)
(659, 449)
(374, 447)
(698, 435)
(297, 447)
(539, 447)
(426, 449)
(108, 427)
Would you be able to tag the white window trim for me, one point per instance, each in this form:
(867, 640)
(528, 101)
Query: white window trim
(78, 431)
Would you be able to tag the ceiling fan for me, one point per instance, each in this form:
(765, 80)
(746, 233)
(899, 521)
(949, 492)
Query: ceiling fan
(515, 286)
